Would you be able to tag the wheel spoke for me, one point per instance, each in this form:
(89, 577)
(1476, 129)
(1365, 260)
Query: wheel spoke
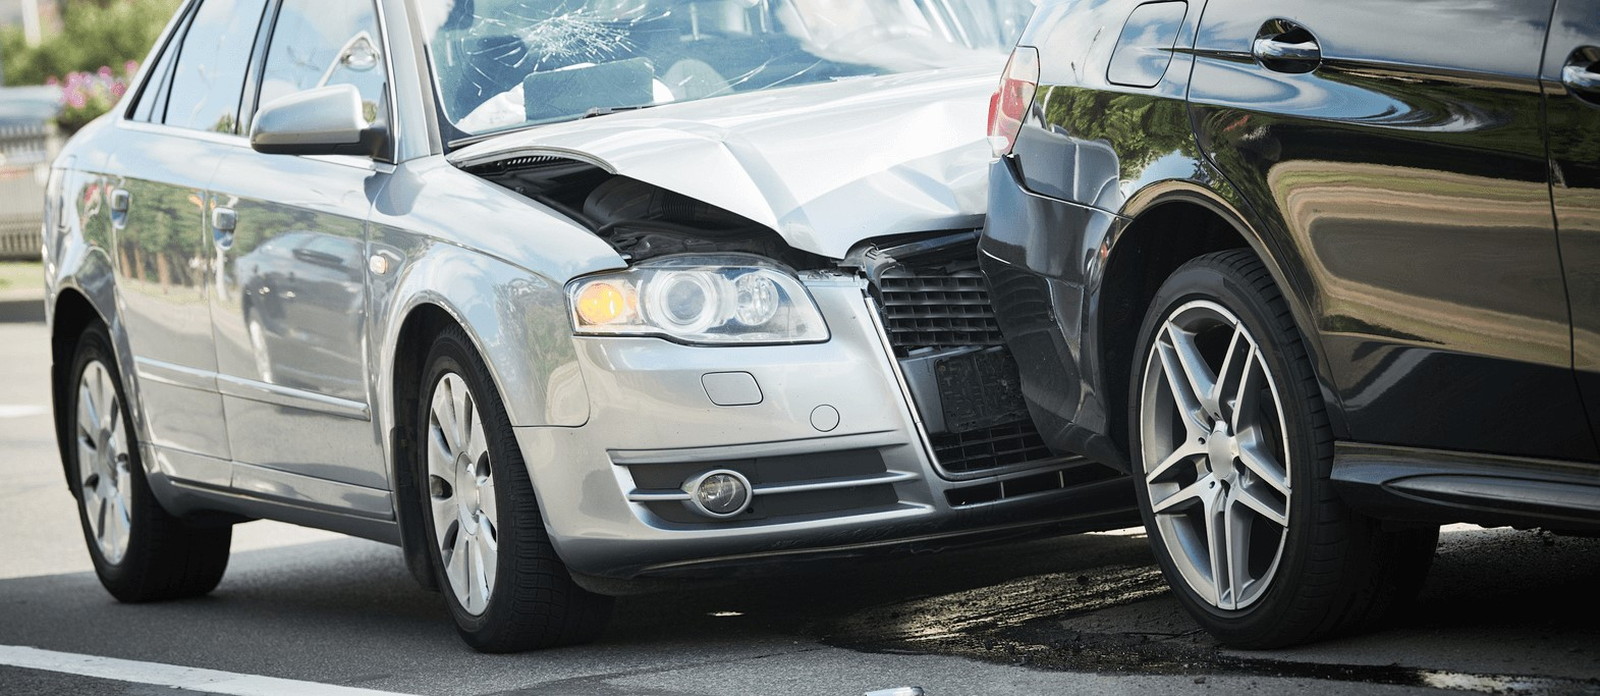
(463, 413)
(441, 460)
(109, 406)
(113, 444)
(1197, 375)
(1236, 529)
(89, 466)
(1199, 491)
(1191, 447)
(455, 557)
(477, 444)
(1236, 364)
(443, 418)
(486, 500)
(88, 414)
(93, 505)
(119, 523)
(1217, 537)
(1242, 411)
(484, 564)
(1270, 509)
(1183, 396)
(473, 583)
(442, 499)
(1262, 466)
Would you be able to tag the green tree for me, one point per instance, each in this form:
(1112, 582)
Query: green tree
(94, 33)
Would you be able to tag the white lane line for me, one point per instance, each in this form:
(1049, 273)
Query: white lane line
(21, 410)
(174, 676)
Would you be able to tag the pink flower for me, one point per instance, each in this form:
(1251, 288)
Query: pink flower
(118, 88)
(76, 100)
(105, 71)
(130, 67)
(52, 81)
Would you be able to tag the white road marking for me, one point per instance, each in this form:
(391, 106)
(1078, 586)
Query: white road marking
(21, 410)
(174, 676)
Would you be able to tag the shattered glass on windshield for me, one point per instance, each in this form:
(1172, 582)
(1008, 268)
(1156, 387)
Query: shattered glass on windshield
(502, 64)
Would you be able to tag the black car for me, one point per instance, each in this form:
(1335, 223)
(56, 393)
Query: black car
(1319, 275)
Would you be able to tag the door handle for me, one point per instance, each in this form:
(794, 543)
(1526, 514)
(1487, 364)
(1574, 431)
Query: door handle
(120, 201)
(223, 223)
(1272, 48)
(1581, 78)
(1284, 46)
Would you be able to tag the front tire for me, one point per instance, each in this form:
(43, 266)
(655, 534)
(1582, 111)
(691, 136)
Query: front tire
(140, 552)
(505, 586)
(1232, 451)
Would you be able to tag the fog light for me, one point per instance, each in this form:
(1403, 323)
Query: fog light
(720, 493)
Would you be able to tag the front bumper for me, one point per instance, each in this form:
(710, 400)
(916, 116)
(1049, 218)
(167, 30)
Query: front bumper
(834, 448)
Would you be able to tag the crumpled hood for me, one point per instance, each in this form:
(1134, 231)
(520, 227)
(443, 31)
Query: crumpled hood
(824, 165)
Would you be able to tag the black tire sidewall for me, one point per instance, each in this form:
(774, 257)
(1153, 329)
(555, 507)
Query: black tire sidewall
(95, 346)
(451, 354)
(1310, 450)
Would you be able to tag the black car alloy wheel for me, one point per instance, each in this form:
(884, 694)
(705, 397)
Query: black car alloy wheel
(1232, 449)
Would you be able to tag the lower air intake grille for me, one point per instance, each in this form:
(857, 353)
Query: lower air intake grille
(1001, 446)
(938, 311)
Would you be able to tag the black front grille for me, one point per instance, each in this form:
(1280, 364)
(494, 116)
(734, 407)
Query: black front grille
(998, 447)
(938, 311)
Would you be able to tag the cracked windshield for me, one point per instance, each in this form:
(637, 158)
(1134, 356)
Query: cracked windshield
(501, 64)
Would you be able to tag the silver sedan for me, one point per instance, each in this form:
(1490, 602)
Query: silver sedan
(563, 297)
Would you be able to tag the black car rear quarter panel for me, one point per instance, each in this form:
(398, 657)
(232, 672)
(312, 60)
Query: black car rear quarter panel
(1061, 202)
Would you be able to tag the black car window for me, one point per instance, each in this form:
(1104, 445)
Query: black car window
(209, 77)
(316, 43)
(151, 102)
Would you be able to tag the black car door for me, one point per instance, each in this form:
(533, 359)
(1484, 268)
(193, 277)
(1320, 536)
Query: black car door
(1395, 150)
(1571, 80)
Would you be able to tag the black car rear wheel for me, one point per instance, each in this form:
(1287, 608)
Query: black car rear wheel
(1232, 449)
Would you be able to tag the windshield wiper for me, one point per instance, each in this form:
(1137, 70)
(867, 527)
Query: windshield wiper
(608, 110)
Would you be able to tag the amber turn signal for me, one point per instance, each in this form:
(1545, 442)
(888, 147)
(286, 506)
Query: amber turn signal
(602, 303)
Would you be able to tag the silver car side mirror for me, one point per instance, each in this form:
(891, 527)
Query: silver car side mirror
(322, 121)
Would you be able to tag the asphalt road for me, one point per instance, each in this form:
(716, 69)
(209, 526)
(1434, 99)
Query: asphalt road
(1504, 612)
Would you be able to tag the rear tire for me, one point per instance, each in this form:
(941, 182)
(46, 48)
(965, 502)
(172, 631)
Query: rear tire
(505, 586)
(1232, 452)
(140, 552)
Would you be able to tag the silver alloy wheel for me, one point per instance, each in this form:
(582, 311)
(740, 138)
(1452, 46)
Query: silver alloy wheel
(461, 490)
(1216, 464)
(104, 474)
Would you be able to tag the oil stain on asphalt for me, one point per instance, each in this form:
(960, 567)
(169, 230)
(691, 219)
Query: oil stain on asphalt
(1120, 618)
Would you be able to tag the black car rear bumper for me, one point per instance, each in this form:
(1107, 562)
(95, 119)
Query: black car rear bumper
(1044, 258)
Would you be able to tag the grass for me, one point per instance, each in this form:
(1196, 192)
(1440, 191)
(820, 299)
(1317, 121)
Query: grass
(17, 275)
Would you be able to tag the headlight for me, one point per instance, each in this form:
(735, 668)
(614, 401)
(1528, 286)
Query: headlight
(728, 298)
